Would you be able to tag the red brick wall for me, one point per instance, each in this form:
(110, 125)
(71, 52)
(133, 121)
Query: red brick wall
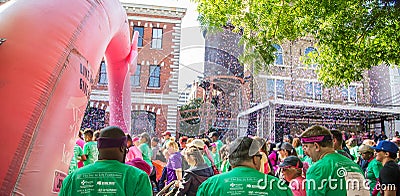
(149, 56)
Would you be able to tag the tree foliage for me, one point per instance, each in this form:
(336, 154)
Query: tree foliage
(352, 35)
(190, 111)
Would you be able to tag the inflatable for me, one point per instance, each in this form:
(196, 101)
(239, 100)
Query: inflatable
(50, 55)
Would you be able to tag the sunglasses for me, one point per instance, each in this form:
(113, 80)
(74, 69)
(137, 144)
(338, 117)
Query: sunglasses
(258, 155)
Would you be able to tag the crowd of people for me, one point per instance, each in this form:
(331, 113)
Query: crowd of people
(317, 162)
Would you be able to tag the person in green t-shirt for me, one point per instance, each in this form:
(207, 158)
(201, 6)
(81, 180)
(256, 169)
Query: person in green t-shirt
(338, 144)
(78, 155)
(331, 174)
(90, 148)
(109, 175)
(299, 149)
(370, 166)
(372, 174)
(244, 178)
(144, 147)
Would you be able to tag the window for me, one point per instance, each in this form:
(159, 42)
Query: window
(345, 94)
(276, 89)
(280, 89)
(309, 89)
(103, 74)
(154, 78)
(317, 91)
(143, 121)
(278, 55)
(141, 33)
(349, 93)
(353, 93)
(135, 79)
(314, 90)
(156, 41)
(310, 50)
(271, 88)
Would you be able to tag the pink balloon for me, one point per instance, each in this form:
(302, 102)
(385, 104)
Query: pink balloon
(49, 61)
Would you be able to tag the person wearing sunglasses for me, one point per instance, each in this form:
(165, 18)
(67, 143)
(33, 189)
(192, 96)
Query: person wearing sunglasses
(330, 171)
(292, 170)
(371, 165)
(109, 175)
(244, 178)
(389, 176)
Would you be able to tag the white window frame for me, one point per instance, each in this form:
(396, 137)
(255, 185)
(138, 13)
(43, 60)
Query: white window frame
(141, 36)
(306, 52)
(275, 88)
(156, 38)
(348, 96)
(136, 76)
(313, 94)
(103, 80)
(152, 76)
(277, 53)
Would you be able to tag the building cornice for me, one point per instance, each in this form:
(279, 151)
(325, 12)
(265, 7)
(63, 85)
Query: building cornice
(154, 10)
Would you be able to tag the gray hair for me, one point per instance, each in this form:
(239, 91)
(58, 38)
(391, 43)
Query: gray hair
(242, 149)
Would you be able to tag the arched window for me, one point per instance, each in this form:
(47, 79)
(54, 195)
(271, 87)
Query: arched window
(103, 74)
(309, 50)
(278, 54)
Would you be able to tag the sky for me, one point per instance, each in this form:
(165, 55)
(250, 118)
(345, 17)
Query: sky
(192, 41)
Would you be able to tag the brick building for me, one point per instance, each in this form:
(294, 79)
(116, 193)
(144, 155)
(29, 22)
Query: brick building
(289, 98)
(154, 86)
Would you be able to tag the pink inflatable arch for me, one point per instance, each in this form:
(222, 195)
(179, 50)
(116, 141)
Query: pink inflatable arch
(48, 61)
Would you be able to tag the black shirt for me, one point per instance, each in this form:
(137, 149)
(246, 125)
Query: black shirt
(389, 176)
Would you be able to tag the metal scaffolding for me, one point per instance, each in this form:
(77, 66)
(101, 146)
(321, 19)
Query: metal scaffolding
(271, 113)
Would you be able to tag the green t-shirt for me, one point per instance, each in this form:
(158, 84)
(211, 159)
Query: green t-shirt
(308, 160)
(300, 153)
(372, 173)
(225, 166)
(107, 177)
(73, 165)
(147, 153)
(354, 153)
(207, 160)
(91, 152)
(330, 175)
(215, 157)
(243, 181)
(219, 145)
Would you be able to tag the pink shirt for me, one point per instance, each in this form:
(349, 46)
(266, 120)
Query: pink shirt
(298, 186)
(80, 143)
(134, 152)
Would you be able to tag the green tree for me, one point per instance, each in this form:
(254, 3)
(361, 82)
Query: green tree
(352, 35)
(190, 111)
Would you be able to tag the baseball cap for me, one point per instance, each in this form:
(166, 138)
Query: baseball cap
(134, 139)
(212, 134)
(365, 148)
(277, 146)
(198, 143)
(285, 146)
(386, 146)
(141, 164)
(183, 139)
(291, 161)
(167, 133)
